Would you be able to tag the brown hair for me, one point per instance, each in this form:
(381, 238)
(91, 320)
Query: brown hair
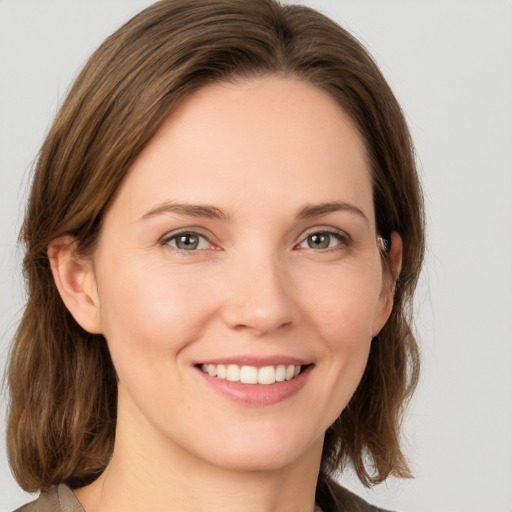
(62, 415)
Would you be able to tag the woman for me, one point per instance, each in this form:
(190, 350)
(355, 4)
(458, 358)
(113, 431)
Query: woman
(222, 240)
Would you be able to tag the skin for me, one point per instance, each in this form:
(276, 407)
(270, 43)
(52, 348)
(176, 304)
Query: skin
(261, 152)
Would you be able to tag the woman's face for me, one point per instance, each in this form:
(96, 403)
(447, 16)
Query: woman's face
(242, 245)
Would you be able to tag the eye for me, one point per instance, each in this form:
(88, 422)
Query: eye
(187, 241)
(321, 240)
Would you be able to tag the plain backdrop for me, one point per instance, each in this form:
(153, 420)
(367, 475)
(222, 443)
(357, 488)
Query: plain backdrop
(450, 64)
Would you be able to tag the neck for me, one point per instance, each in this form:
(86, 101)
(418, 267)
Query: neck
(151, 474)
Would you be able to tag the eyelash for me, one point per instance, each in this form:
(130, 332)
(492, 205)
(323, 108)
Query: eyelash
(343, 240)
(186, 233)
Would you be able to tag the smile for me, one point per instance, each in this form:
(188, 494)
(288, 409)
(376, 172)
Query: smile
(265, 375)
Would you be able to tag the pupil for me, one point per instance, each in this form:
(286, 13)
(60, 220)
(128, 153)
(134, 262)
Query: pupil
(319, 241)
(188, 242)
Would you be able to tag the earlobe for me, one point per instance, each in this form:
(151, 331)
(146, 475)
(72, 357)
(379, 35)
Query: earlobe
(389, 283)
(75, 280)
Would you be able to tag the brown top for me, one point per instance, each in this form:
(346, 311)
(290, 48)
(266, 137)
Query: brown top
(57, 499)
(330, 496)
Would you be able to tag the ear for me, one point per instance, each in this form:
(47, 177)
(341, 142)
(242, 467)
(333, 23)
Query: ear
(76, 283)
(389, 279)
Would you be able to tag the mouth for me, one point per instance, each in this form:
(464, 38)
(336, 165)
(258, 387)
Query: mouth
(265, 375)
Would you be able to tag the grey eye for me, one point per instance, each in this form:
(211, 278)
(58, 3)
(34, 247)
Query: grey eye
(321, 240)
(188, 241)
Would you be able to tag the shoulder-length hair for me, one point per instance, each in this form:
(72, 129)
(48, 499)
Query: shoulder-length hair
(63, 387)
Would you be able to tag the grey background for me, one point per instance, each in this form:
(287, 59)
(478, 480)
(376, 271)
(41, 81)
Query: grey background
(450, 64)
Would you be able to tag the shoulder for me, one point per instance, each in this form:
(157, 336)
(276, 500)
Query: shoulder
(56, 499)
(332, 497)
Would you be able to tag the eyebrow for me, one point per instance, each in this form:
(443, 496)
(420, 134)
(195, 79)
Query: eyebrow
(318, 210)
(212, 212)
(190, 210)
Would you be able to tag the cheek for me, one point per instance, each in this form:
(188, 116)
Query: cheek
(342, 313)
(347, 332)
(150, 309)
(343, 304)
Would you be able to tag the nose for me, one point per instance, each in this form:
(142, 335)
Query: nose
(261, 296)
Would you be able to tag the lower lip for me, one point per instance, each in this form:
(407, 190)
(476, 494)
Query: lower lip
(257, 395)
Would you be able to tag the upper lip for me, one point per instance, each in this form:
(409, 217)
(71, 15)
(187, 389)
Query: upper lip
(258, 362)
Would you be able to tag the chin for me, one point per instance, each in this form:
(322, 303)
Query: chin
(265, 452)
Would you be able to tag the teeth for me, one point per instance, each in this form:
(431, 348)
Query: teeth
(251, 374)
(267, 375)
(280, 373)
(233, 373)
(221, 371)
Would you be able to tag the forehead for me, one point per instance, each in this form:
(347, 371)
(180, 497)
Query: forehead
(267, 137)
